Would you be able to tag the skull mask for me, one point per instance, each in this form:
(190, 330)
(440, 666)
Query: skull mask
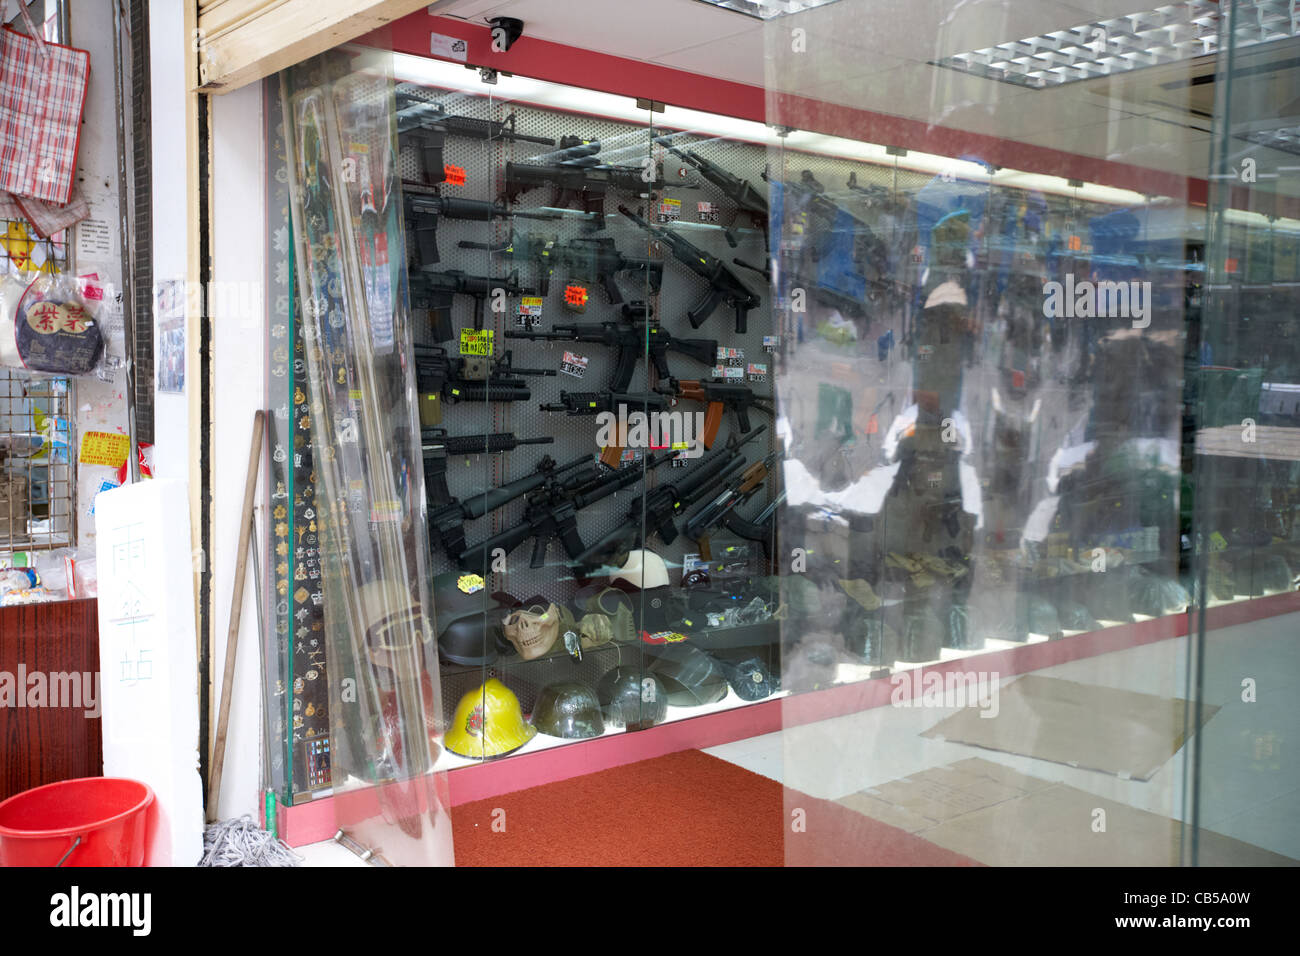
(533, 631)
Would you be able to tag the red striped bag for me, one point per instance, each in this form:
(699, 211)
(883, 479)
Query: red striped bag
(42, 94)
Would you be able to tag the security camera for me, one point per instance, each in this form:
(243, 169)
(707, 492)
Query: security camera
(505, 31)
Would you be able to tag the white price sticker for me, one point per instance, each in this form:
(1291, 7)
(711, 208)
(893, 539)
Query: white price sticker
(574, 364)
(529, 315)
(670, 210)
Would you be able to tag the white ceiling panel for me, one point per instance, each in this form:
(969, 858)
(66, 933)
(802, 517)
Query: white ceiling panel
(872, 54)
(630, 28)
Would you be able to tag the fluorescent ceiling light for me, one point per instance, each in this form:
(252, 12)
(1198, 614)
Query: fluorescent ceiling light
(767, 9)
(460, 82)
(1286, 138)
(1134, 41)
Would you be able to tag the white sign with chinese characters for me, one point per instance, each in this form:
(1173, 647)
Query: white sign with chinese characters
(147, 657)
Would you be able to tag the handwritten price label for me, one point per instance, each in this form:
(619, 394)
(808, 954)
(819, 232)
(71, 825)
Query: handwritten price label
(475, 341)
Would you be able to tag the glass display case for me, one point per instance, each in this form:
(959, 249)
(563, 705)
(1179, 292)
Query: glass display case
(914, 414)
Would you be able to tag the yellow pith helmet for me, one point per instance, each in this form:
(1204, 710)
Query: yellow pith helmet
(488, 723)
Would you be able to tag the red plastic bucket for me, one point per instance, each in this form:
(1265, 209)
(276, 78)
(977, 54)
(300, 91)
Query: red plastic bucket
(91, 821)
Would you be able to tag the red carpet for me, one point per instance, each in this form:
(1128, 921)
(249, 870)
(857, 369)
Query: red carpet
(684, 809)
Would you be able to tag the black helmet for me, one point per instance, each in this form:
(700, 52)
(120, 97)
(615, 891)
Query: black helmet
(471, 640)
(632, 697)
(750, 678)
(1157, 596)
(690, 676)
(1108, 596)
(1076, 616)
(568, 709)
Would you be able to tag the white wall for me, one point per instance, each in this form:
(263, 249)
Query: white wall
(239, 389)
(238, 367)
(167, 46)
(101, 406)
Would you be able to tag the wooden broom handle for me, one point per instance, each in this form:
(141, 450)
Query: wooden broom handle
(236, 606)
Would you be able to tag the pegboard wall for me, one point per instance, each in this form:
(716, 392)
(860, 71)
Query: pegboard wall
(622, 144)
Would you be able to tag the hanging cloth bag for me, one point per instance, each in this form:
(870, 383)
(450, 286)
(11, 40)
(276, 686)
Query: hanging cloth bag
(42, 95)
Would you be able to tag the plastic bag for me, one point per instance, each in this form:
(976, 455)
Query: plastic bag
(47, 326)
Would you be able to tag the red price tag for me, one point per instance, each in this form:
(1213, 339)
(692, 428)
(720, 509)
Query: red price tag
(455, 175)
(575, 295)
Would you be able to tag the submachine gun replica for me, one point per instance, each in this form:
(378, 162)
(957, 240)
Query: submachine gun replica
(724, 285)
(740, 192)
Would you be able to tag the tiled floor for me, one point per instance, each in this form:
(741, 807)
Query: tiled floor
(1251, 780)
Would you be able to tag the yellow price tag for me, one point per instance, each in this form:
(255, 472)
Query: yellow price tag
(476, 342)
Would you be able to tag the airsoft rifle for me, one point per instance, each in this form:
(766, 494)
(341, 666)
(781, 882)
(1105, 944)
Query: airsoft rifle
(429, 124)
(724, 285)
(719, 396)
(434, 291)
(424, 211)
(552, 513)
(740, 192)
(737, 491)
(471, 378)
(584, 187)
(447, 517)
(632, 340)
(661, 505)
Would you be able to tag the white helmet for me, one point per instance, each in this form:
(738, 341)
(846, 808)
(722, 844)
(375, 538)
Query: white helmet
(642, 569)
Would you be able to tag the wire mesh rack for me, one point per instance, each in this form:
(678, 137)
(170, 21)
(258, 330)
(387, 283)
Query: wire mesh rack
(37, 476)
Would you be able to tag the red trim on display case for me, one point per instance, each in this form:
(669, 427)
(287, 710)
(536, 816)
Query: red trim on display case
(315, 821)
(575, 66)
(588, 69)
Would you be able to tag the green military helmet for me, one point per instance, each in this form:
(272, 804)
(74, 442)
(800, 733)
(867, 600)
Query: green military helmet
(568, 709)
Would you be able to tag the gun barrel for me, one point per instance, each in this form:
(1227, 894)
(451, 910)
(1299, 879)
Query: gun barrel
(494, 498)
